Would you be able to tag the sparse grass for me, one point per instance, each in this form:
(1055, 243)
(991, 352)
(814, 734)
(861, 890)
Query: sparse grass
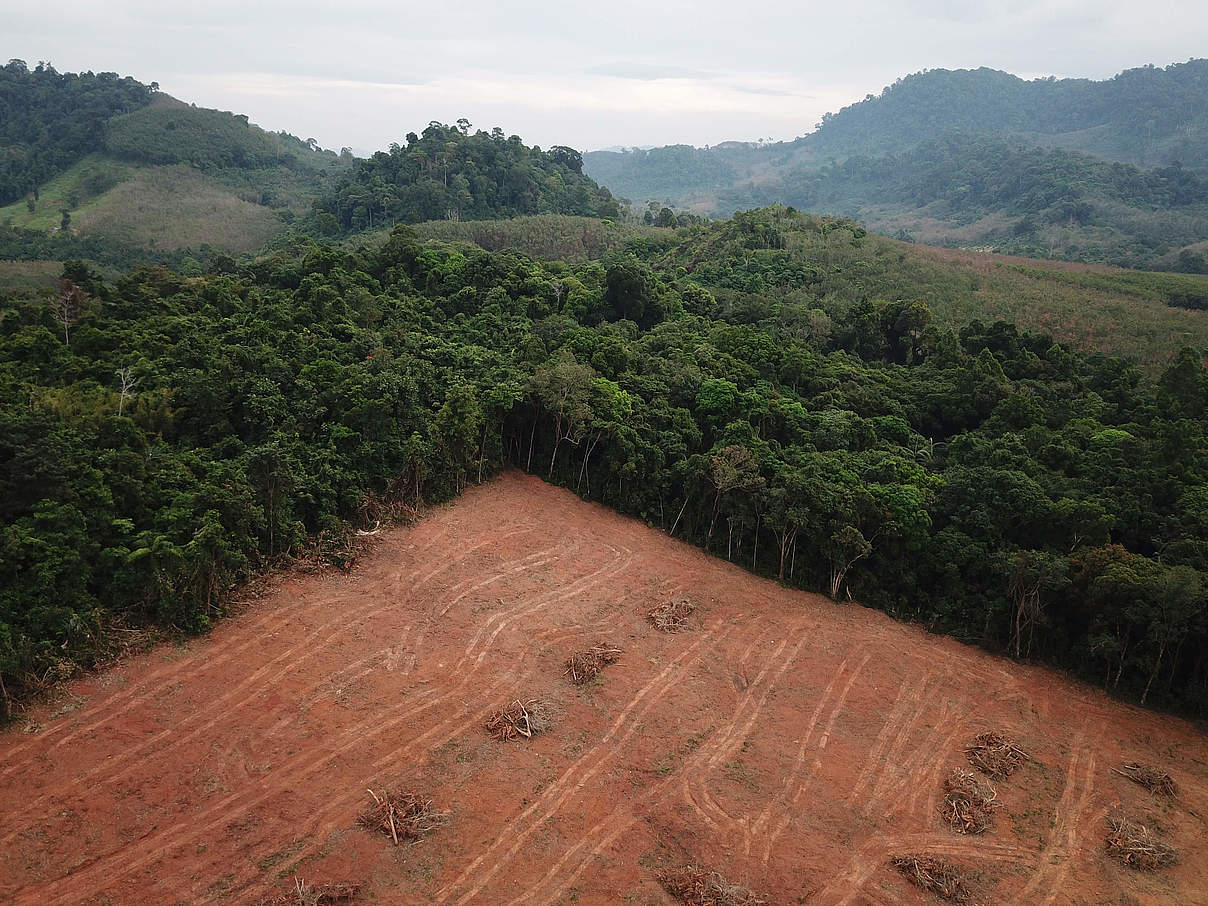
(85, 182)
(551, 236)
(28, 276)
(175, 207)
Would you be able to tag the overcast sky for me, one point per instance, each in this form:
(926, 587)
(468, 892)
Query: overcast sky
(363, 73)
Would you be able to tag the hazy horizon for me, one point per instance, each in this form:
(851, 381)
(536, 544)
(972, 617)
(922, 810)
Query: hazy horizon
(367, 73)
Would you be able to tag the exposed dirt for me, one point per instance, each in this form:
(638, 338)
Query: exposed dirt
(792, 744)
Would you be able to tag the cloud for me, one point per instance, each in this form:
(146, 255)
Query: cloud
(365, 72)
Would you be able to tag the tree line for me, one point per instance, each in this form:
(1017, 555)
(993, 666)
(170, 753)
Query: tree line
(163, 436)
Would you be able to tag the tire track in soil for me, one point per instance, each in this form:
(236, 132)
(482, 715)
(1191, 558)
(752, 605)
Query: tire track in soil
(153, 684)
(577, 775)
(728, 741)
(254, 685)
(783, 824)
(603, 834)
(296, 769)
(1063, 842)
(793, 781)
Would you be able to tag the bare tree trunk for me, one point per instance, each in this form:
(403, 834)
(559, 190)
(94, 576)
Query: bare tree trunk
(681, 512)
(528, 466)
(1156, 667)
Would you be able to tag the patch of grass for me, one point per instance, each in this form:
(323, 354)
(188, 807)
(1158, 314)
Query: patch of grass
(28, 276)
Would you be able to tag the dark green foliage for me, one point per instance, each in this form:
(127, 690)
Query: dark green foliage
(990, 483)
(49, 120)
(449, 173)
(171, 132)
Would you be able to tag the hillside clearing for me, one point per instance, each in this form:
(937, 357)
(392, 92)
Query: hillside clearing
(791, 744)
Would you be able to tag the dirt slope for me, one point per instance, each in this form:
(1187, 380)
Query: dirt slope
(794, 744)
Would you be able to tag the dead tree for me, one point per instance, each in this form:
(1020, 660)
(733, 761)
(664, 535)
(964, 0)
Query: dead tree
(67, 306)
(127, 382)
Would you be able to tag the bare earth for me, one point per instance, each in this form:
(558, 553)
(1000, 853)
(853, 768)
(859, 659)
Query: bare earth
(791, 743)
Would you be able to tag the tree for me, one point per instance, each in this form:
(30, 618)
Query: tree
(731, 468)
(67, 306)
(127, 381)
(564, 390)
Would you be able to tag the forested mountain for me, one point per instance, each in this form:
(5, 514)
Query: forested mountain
(50, 120)
(978, 158)
(449, 173)
(744, 385)
(113, 162)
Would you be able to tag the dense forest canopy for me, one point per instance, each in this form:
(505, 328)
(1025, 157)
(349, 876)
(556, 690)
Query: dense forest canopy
(49, 120)
(164, 435)
(450, 173)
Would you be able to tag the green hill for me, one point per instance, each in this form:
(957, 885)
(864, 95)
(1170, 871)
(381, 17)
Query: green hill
(1110, 171)
(450, 173)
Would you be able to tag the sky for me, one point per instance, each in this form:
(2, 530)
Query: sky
(364, 73)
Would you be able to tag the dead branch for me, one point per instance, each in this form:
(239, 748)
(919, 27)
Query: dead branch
(1136, 845)
(401, 815)
(1152, 778)
(995, 755)
(584, 666)
(520, 718)
(698, 886)
(937, 876)
(969, 803)
(672, 616)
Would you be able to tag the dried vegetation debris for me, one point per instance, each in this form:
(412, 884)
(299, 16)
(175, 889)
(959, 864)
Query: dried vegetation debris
(941, 878)
(697, 886)
(1152, 778)
(969, 803)
(1136, 845)
(995, 755)
(584, 666)
(303, 894)
(520, 718)
(401, 815)
(672, 616)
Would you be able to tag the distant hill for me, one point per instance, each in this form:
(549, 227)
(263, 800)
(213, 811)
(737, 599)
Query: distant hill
(450, 173)
(976, 158)
(97, 156)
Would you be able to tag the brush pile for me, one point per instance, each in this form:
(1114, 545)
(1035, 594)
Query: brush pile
(525, 719)
(304, 894)
(401, 816)
(698, 886)
(1153, 779)
(672, 616)
(969, 803)
(585, 666)
(995, 755)
(936, 876)
(1136, 845)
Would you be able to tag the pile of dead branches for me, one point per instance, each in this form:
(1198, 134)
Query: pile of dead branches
(932, 874)
(401, 816)
(698, 886)
(525, 719)
(969, 803)
(585, 666)
(304, 894)
(1153, 779)
(995, 755)
(672, 616)
(1136, 845)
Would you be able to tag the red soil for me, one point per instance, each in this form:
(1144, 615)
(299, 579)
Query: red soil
(793, 744)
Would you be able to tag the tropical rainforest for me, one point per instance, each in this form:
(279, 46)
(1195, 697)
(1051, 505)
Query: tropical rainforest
(830, 408)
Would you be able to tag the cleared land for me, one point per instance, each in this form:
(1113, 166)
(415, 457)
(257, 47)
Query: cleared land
(788, 743)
